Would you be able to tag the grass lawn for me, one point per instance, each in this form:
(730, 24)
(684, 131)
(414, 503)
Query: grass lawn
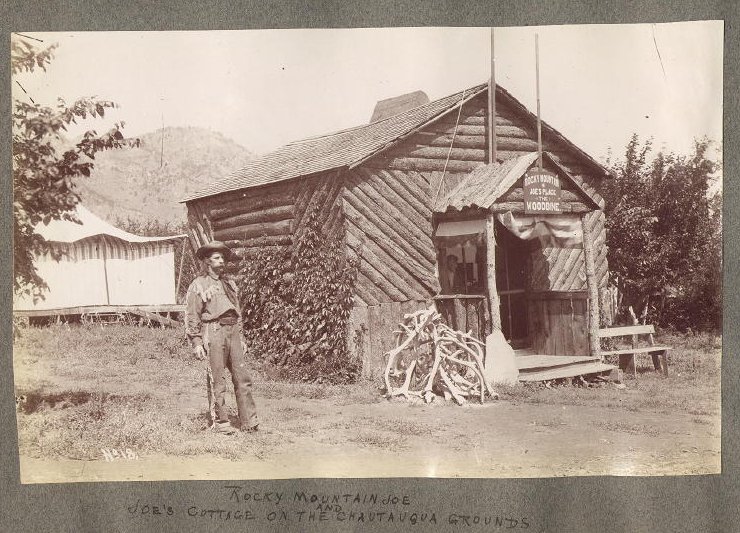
(88, 387)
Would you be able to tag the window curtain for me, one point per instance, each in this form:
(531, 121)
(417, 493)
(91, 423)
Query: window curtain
(467, 232)
(555, 231)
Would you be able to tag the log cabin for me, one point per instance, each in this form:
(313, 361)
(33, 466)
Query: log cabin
(413, 189)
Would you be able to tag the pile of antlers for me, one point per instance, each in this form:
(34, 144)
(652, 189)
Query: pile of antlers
(431, 359)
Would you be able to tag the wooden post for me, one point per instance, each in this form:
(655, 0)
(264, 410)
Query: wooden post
(539, 121)
(593, 290)
(493, 300)
(105, 269)
(492, 148)
(179, 272)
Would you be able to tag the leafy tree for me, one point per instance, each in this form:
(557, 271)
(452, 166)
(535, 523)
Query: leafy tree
(664, 236)
(43, 175)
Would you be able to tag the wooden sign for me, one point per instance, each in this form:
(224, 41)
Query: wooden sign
(542, 192)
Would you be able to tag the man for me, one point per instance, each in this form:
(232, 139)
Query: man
(453, 278)
(213, 326)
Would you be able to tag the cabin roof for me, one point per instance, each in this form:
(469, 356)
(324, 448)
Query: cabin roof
(487, 183)
(351, 147)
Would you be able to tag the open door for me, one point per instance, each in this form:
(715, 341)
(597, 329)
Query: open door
(512, 282)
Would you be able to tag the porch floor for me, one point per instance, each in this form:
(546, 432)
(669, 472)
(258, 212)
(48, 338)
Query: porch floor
(538, 367)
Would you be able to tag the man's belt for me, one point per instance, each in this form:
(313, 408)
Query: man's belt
(228, 320)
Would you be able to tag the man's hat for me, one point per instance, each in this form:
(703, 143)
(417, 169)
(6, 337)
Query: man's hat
(216, 246)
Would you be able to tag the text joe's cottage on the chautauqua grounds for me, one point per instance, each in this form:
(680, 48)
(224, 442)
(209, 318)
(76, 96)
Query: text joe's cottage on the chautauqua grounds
(413, 193)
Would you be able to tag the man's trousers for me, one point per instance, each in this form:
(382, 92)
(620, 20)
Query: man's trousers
(223, 344)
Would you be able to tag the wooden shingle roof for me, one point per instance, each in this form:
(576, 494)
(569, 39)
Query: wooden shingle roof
(351, 147)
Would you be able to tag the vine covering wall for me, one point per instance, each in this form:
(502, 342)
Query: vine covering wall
(296, 307)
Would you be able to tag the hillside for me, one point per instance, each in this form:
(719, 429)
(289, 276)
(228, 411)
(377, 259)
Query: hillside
(130, 183)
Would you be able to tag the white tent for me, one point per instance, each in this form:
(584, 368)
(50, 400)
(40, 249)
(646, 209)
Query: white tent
(103, 265)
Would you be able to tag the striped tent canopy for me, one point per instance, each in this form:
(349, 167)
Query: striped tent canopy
(94, 263)
(89, 225)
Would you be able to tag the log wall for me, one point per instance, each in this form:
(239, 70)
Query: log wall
(273, 216)
(246, 220)
(389, 226)
(426, 152)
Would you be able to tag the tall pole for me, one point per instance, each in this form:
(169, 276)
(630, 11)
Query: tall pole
(493, 298)
(593, 289)
(539, 120)
(161, 150)
(492, 148)
(104, 244)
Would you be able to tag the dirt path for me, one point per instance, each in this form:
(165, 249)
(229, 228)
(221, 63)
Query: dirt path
(88, 388)
(318, 438)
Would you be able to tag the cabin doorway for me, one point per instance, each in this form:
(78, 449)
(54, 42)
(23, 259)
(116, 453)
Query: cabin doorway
(512, 281)
(463, 280)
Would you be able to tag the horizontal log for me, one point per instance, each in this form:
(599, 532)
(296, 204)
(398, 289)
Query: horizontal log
(474, 108)
(503, 155)
(273, 240)
(521, 145)
(269, 189)
(433, 152)
(282, 227)
(445, 139)
(272, 214)
(512, 131)
(423, 165)
(480, 114)
(471, 120)
(462, 129)
(505, 120)
(249, 204)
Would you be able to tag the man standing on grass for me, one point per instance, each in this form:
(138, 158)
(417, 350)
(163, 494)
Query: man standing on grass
(213, 326)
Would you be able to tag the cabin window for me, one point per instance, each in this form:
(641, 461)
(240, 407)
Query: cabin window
(461, 256)
(462, 267)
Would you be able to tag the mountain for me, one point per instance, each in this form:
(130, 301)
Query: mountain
(147, 182)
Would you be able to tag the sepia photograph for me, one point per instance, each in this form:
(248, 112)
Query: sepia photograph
(435, 252)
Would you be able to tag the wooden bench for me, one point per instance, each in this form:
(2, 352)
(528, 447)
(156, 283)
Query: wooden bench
(659, 354)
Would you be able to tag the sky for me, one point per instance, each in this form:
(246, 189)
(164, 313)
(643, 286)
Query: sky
(265, 88)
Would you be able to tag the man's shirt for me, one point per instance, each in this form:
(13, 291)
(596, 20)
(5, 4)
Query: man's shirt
(208, 299)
